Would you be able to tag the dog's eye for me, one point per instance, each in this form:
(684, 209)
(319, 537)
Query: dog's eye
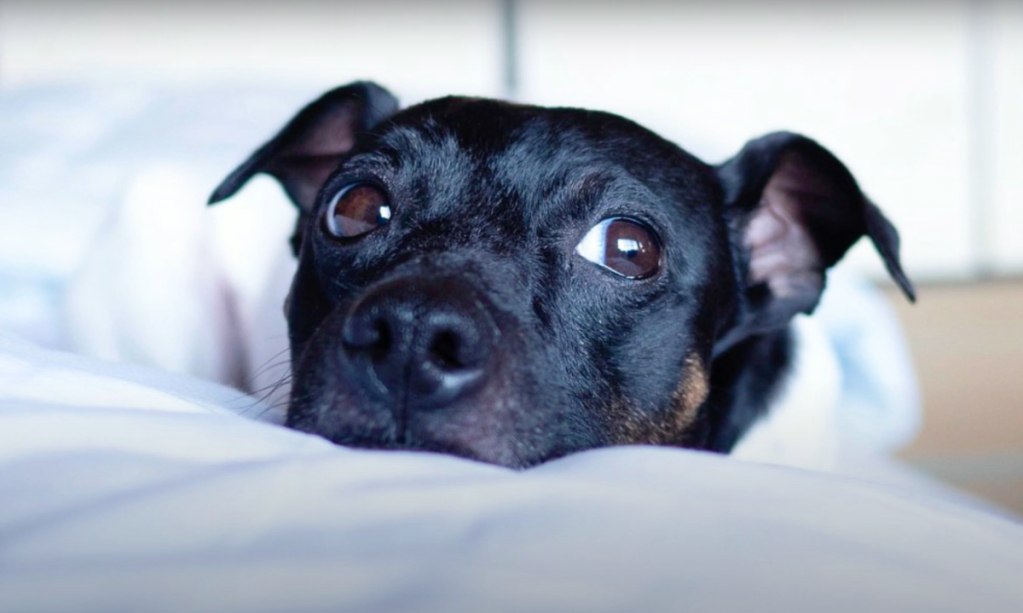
(622, 246)
(356, 210)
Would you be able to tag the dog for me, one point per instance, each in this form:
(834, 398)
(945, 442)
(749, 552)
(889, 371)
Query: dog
(513, 283)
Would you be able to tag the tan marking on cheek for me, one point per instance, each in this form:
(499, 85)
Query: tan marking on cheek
(633, 426)
(692, 391)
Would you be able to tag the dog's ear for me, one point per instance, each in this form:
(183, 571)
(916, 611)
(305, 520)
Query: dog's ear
(794, 211)
(308, 149)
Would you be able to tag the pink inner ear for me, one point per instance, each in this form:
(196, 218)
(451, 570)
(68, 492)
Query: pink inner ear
(331, 134)
(305, 175)
(782, 254)
(305, 164)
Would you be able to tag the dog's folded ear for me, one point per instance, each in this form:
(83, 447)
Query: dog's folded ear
(304, 153)
(795, 210)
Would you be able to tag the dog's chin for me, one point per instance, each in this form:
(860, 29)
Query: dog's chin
(458, 449)
(470, 438)
(462, 449)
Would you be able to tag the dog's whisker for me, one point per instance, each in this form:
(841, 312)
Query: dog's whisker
(538, 335)
(266, 390)
(267, 365)
(275, 365)
(266, 393)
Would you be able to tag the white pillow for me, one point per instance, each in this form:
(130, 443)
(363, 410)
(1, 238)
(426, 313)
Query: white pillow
(122, 489)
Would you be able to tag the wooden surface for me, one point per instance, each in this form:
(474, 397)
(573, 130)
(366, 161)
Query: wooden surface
(967, 342)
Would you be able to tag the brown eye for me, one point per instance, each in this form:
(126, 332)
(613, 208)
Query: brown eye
(356, 210)
(622, 246)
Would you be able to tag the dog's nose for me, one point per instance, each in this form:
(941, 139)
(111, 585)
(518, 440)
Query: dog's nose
(425, 342)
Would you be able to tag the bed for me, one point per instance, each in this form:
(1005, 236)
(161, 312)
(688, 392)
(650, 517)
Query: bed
(129, 489)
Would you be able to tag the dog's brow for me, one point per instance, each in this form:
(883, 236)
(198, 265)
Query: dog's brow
(580, 191)
(405, 138)
(590, 188)
(379, 157)
(591, 183)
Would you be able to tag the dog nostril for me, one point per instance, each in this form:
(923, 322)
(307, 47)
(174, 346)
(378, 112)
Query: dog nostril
(380, 339)
(445, 351)
(373, 337)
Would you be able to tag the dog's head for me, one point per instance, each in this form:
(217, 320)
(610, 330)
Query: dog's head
(513, 283)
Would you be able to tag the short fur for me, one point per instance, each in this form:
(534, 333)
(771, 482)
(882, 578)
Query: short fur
(489, 202)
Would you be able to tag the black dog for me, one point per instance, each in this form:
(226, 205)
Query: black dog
(513, 283)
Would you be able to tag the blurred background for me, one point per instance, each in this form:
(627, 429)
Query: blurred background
(922, 100)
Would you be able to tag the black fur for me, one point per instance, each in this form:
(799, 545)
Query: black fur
(489, 202)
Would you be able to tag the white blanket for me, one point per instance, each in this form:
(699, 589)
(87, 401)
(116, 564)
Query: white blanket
(123, 489)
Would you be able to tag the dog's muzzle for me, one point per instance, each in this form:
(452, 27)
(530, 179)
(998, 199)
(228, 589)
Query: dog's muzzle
(420, 344)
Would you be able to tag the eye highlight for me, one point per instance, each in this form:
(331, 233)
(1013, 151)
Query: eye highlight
(623, 246)
(356, 210)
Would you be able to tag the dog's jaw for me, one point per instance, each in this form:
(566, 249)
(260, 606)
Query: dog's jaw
(684, 347)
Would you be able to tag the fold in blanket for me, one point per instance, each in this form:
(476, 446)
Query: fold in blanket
(123, 489)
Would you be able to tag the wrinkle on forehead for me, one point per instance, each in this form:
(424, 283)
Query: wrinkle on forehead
(539, 166)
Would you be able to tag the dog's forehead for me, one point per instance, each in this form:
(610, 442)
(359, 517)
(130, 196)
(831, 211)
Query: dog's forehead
(488, 128)
(463, 147)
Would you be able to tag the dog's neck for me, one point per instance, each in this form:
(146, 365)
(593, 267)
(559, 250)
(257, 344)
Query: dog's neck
(745, 380)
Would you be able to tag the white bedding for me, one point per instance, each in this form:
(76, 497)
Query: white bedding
(123, 489)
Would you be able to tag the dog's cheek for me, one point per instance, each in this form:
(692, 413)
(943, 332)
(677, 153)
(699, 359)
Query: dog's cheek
(307, 307)
(692, 391)
(324, 402)
(670, 426)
